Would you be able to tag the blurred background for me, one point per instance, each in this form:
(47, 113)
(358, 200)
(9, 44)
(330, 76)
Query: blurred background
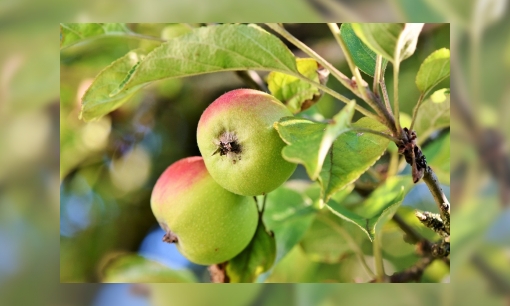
(91, 196)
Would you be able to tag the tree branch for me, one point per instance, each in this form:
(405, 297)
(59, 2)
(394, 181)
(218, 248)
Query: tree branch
(413, 273)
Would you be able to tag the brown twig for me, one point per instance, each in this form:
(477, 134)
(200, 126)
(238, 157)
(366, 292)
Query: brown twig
(412, 235)
(413, 273)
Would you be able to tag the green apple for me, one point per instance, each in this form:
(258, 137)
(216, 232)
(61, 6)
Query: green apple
(208, 223)
(239, 144)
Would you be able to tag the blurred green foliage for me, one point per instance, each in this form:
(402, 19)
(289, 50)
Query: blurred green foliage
(31, 218)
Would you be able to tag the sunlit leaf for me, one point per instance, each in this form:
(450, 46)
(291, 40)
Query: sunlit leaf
(362, 55)
(377, 209)
(309, 142)
(130, 268)
(332, 153)
(256, 258)
(212, 49)
(298, 95)
(97, 102)
(394, 41)
(351, 155)
(434, 69)
(433, 114)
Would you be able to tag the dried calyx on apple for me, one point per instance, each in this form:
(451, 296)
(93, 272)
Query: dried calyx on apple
(240, 146)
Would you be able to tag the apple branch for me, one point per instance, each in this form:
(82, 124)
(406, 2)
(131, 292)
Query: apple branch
(370, 98)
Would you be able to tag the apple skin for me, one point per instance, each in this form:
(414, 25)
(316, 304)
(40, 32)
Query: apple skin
(255, 165)
(211, 225)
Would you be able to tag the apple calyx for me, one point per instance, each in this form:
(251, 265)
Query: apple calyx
(227, 144)
(170, 237)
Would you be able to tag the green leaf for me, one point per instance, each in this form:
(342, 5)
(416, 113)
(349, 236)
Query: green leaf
(227, 47)
(380, 207)
(438, 157)
(362, 55)
(309, 142)
(96, 102)
(73, 33)
(255, 259)
(288, 215)
(296, 94)
(322, 243)
(351, 155)
(394, 41)
(433, 114)
(130, 268)
(434, 69)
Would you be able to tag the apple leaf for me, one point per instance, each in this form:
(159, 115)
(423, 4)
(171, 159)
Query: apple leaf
(73, 33)
(438, 157)
(309, 142)
(96, 102)
(332, 153)
(394, 41)
(362, 55)
(228, 47)
(255, 259)
(433, 114)
(296, 94)
(322, 243)
(209, 49)
(380, 206)
(434, 69)
(351, 155)
(131, 268)
(288, 215)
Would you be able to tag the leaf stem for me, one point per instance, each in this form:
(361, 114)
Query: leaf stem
(396, 113)
(379, 265)
(415, 110)
(303, 47)
(354, 70)
(371, 99)
(263, 205)
(385, 118)
(384, 91)
(377, 74)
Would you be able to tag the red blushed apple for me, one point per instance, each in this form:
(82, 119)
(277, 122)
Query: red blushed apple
(208, 223)
(240, 146)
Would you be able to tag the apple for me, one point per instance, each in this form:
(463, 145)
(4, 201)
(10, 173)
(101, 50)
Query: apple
(208, 223)
(240, 146)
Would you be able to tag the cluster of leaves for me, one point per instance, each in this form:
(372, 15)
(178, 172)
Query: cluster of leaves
(335, 152)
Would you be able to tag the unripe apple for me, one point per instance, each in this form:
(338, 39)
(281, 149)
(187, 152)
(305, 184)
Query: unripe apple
(208, 223)
(240, 146)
